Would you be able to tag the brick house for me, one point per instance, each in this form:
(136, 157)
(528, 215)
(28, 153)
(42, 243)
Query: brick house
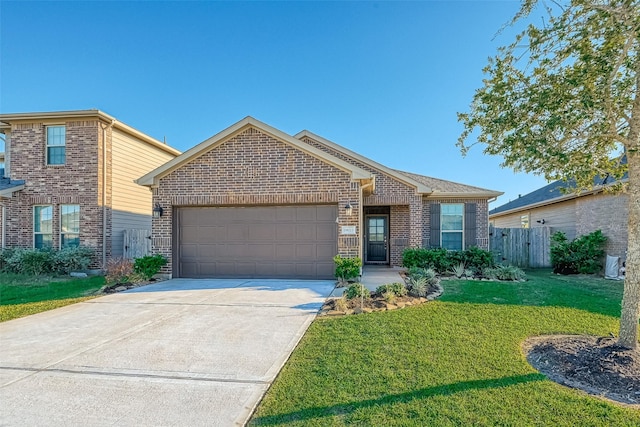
(575, 214)
(68, 180)
(252, 201)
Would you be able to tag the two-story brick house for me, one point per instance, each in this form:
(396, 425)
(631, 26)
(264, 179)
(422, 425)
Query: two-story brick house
(69, 180)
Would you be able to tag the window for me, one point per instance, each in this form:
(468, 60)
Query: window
(56, 137)
(451, 219)
(42, 226)
(69, 226)
(524, 221)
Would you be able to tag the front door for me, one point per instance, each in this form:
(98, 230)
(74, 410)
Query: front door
(377, 227)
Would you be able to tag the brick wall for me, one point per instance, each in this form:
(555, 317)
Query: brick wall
(76, 182)
(253, 168)
(609, 213)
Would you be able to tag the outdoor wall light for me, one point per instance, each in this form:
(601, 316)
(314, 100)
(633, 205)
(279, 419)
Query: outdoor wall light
(157, 210)
(541, 221)
(348, 209)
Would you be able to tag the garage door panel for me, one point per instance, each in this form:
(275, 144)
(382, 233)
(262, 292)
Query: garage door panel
(326, 232)
(306, 213)
(325, 251)
(262, 232)
(264, 241)
(305, 232)
(285, 232)
(261, 251)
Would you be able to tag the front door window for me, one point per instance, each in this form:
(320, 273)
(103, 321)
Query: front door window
(377, 244)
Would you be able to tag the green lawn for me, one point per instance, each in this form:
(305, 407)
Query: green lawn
(453, 362)
(22, 295)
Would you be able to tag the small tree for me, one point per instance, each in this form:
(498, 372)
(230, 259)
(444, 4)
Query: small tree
(568, 106)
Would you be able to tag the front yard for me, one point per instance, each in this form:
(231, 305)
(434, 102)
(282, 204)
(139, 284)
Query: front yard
(22, 295)
(456, 361)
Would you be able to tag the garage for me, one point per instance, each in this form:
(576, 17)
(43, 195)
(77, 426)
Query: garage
(283, 242)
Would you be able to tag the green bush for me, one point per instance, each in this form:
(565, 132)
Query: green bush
(504, 272)
(347, 268)
(72, 259)
(583, 254)
(419, 286)
(149, 265)
(443, 261)
(397, 289)
(30, 261)
(418, 273)
(357, 290)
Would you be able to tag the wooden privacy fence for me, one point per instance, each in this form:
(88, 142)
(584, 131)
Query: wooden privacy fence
(137, 243)
(522, 247)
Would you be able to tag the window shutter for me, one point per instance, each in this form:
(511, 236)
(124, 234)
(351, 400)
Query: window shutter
(434, 211)
(470, 228)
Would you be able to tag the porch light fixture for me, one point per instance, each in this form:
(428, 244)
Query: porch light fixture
(348, 209)
(541, 221)
(157, 210)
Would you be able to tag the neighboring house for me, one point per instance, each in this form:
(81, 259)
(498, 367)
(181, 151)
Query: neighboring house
(253, 201)
(575, 214)
(69, 180)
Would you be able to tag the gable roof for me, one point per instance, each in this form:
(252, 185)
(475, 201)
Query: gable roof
(557, 191)
(152, 177)
(433, 187)
(444, 188)
(84, 114)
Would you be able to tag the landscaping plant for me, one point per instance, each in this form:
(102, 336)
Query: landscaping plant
(583, 254)
(149, 265)
(347, 268)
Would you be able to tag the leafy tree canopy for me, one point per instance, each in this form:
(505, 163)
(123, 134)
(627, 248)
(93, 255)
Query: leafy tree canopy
(558, 101)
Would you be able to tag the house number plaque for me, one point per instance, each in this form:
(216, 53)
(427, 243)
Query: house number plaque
(348, 229)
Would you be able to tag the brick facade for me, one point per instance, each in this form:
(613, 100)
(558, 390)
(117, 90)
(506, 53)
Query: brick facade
(606, 212)
(78, 181)
(85, 178)
(253, 168)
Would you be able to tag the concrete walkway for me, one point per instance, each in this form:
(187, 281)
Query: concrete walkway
(178, 353)
(374, 276)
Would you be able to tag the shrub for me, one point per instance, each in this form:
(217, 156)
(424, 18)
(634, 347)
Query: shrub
(443, 261)
(477, 259)
(5, 255)
(149, 265)
(397, 289)
(582, 255)
(357, 290)
(30, 261)
(120, 271)
(419, 287)
(72, 259)
(347, 268)
(504, 272)
(458, 270)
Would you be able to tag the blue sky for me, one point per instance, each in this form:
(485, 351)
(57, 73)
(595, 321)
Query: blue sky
(384, 79)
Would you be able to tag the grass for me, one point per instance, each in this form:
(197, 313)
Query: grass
(452, 362)
(22, 295)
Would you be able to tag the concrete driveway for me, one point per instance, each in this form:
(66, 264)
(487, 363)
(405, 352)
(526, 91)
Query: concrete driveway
(178, 353)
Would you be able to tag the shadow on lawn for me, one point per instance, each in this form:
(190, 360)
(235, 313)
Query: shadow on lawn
(443, 390)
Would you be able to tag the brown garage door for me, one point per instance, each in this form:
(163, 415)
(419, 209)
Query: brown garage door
(257, 242)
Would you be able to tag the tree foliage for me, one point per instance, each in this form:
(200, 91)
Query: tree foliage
(562, 100)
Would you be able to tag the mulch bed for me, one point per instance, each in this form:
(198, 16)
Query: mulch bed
(595, 365)
(377, 302)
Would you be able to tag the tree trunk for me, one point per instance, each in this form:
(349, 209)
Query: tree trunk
(631, 298)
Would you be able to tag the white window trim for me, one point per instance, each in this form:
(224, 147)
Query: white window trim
(60, 232)
(47, 146)
(33, 224)
(443, 231)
